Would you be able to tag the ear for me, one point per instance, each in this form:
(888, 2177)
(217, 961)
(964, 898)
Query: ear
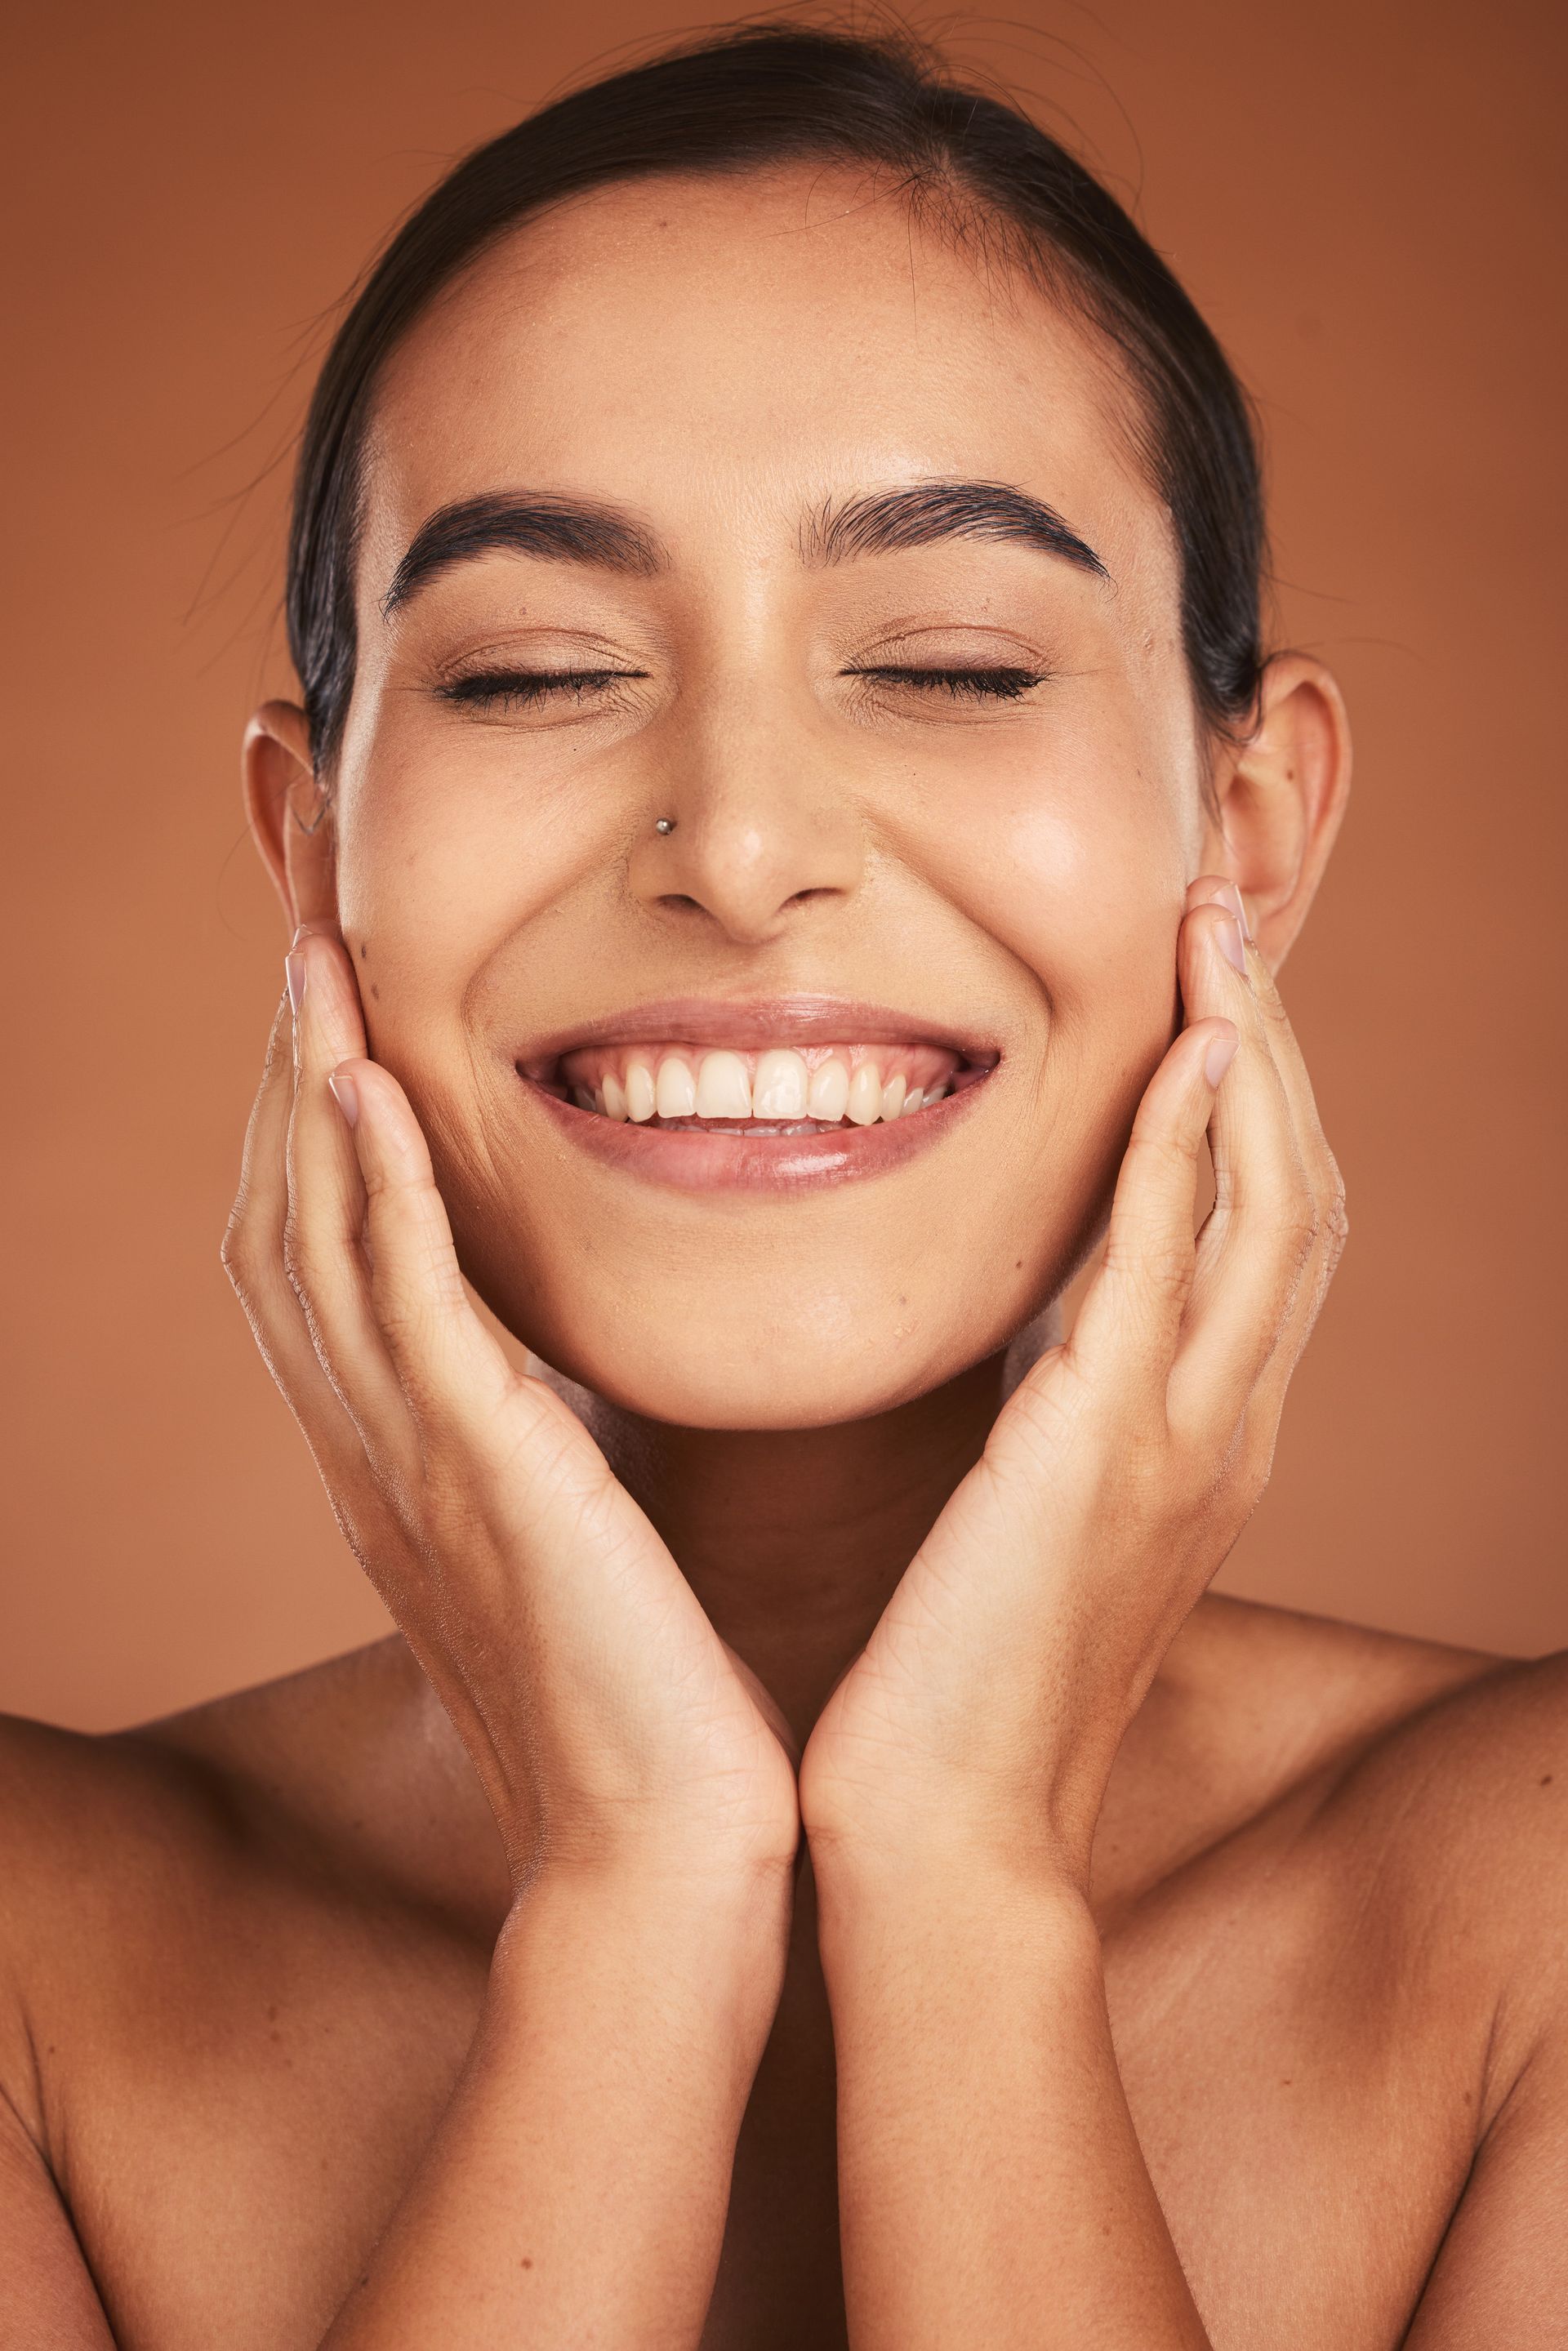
(290, 816)
(1281, 798)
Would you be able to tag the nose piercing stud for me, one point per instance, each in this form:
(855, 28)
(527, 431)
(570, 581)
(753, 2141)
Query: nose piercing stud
(663, 824)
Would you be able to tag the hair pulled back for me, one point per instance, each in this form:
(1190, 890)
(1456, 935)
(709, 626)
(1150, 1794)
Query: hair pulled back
(769, 96)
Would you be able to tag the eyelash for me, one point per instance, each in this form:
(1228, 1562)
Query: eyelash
(490, 689)
(487, 688)
(1000, 684)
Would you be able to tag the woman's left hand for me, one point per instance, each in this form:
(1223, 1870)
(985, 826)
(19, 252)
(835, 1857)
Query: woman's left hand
(982, 1719)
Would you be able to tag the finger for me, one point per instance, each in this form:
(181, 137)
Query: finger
(1325, 1187)
(326, 1194)
(252, 1244)
(1254, 1249)
(323, 1254)
(1289, 1058)
(253, 1258)
(259, 1202)
(1134, 1307)
(444, 1358)
(1321, 1168)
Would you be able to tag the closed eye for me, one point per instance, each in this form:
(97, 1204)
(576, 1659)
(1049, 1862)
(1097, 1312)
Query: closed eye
(520, 688)
(524, 689)
(995, 683)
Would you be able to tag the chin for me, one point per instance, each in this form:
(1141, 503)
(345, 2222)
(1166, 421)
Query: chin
(762, 1397)
(756, 1362)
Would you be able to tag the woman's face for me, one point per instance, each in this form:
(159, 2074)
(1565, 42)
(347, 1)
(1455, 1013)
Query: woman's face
(931, 762)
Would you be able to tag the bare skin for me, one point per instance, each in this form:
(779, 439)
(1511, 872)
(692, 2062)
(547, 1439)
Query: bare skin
(256, 1940)
(815, 1868)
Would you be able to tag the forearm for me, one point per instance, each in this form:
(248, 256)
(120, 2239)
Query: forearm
(576, 2189)
(991, 2185)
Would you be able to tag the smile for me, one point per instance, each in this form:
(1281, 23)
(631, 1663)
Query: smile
(803, 1090)
(775, 1090)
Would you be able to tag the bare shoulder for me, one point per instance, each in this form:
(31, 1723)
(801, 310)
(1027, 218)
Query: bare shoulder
(67, 1797)
(1421, 1790)
(229, 1941)
(1432, 1782)
(345, 1777)
(1416, 1749)
(1322, 1683)
(1477, 1776)
(1258, 1707)
(1368, 1718)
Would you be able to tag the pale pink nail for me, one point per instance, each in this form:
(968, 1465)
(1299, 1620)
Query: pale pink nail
(1229, 896)
(1229, 933)
(346, 1094)
(294, 972)
(1217, 1059)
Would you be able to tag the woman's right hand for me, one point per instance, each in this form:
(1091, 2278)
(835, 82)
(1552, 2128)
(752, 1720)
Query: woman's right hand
(610, 1726)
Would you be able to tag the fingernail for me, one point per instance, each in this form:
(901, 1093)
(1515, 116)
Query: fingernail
(1229, 933)
(294, 972)
(1231, 897)
(1217, 1059)
(346, 1094)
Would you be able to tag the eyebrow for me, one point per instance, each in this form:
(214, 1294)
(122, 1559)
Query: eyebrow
(581, 530)
(570, 531)
(922, 513)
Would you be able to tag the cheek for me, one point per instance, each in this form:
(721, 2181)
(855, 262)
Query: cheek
(1082, 883)
(1080, 875)
(439, 867)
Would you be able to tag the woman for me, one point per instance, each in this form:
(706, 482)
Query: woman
(788, 829)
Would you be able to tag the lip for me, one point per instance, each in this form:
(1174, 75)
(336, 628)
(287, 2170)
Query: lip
(699, 1160)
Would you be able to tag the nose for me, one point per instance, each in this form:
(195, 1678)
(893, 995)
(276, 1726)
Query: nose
(752, 827)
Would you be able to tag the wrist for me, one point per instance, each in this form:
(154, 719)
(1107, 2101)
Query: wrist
(710, 1942)
(643, 1848)
(1035, 1828)
(938, 1859)
(873, 1899)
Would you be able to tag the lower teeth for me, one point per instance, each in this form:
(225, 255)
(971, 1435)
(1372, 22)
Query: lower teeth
(753, 1126)
(806, 1126)
(691, 1125)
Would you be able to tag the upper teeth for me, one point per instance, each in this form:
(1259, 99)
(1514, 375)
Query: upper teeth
(779, 1084)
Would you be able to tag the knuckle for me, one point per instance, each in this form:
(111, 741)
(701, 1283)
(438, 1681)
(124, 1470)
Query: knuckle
(1334, 1212)
(241, 1257)
(1297, 1226)
(1154, 1138)
(1167, 1270)
(1266, 990)
(1156, 1155)
(1150, 1262)
(1255, 1467)
(1242, 1473)
(301, 1259)
(407, 1321)
(292, 1245)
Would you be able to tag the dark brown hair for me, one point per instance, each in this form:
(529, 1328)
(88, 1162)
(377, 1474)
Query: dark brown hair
(772, 95)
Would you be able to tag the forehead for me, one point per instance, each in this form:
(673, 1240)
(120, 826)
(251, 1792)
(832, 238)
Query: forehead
(729, 352)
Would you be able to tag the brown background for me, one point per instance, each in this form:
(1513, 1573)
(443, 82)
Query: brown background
(1365, 197)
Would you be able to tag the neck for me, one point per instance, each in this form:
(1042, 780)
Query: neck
(794, 1538)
